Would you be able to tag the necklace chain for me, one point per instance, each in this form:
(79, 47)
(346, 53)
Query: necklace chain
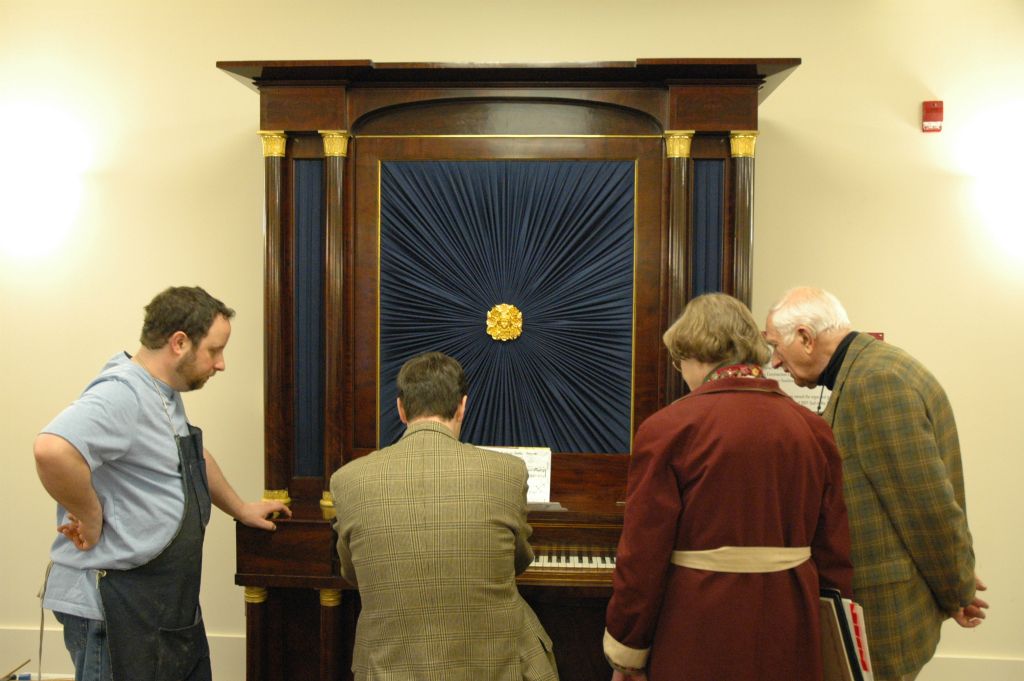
(160, 393)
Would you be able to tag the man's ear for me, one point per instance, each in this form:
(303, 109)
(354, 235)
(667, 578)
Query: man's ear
(806, 339)
(401, 411)
(460, 411)
(179, 343)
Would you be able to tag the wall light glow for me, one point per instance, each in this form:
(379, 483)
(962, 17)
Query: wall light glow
(41, 177)
(989, 149)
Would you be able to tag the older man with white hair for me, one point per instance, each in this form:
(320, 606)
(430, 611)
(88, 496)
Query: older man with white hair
(903, 480)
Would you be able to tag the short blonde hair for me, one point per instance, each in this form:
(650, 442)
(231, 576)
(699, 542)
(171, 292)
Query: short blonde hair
(716, 328)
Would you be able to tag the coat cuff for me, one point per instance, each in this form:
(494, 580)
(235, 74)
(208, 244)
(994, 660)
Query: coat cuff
(623, 658)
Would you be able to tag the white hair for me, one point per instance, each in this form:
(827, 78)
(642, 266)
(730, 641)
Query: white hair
(814, 308)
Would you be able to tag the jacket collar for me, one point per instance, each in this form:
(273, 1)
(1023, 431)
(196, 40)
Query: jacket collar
(831, 372)
(859, 343)
(722, 385)
(426, 426)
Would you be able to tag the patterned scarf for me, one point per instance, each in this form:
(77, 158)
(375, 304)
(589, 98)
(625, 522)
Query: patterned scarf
(735, 371)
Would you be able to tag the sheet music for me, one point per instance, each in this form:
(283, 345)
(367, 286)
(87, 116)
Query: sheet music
(815, 399)
(538, 469)
(844, 643)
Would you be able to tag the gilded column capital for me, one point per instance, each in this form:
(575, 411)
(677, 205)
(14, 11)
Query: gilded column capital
(330, 598)
(335, 142)
(677, 143)
(327, 506)
(741, 143)
(273, 142)
(277, 495)
(255, 594)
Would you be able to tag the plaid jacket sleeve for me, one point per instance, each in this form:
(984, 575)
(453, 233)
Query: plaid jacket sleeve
(898, 452)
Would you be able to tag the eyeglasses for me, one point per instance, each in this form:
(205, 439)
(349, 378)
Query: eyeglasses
(677, 365)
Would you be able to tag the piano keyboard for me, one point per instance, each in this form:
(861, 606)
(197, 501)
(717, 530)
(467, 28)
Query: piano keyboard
(556, 566)
(568, 558)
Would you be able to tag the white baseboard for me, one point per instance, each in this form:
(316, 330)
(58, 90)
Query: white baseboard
(20, 644)
(227, 653)
(943, 668)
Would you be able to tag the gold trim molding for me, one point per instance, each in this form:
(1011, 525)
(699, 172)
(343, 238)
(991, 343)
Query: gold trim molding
(741, 143)
(273, 142)
(335, 142)
(505, 136)
(327, 506)
(255, 594)
(677, 143)
(330, 598)
(504, 322)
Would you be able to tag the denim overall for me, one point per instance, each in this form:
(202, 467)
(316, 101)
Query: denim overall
(154, 625)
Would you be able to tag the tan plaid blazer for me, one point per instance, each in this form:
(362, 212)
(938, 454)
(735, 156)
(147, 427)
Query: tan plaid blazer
(433, 532)
(903, 483)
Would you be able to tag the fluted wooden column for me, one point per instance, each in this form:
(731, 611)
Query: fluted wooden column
(277, 325)
(330, 626)
(255, 642)
(335, 155)
(741, 144)
(677, 153)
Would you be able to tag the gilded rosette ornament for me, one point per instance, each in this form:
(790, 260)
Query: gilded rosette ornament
(504, 322)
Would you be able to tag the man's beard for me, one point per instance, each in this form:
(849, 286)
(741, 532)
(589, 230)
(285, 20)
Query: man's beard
(187, 371)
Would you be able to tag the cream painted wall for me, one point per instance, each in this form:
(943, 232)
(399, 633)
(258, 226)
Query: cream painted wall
(850, 196)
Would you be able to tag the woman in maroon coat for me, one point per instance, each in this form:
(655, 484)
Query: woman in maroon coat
(734, 518)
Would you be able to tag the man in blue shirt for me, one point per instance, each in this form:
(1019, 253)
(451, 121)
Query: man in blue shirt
(134, 487)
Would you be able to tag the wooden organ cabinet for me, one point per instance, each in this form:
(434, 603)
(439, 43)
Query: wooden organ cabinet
(364, 162)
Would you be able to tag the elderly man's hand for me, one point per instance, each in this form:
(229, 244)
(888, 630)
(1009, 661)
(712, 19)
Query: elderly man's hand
(973, 614)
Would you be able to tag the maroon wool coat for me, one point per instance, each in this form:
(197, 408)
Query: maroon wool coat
(734, 463)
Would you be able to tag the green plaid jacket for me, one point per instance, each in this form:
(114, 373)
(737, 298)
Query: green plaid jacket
(903, 484)
(433, 532)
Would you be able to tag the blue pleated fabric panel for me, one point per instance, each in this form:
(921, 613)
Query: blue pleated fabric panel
(309, 309)
(553, 238)
(708, 219)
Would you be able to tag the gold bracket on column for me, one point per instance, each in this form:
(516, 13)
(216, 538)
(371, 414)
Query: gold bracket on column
(273, 142)
(255, 594)
(335, 142)
(741, 143)
(277, 495)
(677, 143)
(327, 506)
(330, 598)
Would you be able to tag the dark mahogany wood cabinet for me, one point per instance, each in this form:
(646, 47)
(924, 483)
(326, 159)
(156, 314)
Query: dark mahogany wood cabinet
(332, 131)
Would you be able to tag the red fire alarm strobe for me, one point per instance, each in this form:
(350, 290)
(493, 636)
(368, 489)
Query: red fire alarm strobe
(931, 117)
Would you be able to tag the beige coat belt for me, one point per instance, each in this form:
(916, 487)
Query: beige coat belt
(743, 558)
